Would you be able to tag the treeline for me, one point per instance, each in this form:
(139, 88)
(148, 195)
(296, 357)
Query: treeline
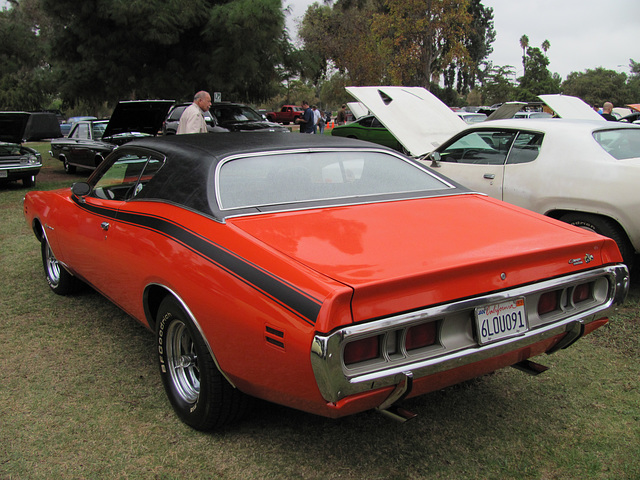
(84, 56)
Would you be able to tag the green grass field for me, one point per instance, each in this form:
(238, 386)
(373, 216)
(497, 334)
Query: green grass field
(80, 398)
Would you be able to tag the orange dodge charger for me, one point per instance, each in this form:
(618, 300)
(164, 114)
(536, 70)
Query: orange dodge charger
(325, 274)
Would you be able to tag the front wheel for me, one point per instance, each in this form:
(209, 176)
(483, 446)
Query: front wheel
(71, 169)
(29, 181)
(198, 392)
(59, 280)
(604, 226)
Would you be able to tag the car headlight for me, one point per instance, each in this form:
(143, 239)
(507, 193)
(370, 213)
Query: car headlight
(31, 159)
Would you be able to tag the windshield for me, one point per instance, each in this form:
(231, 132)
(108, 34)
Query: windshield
(621, 144)
(98, 129)
(235, 113)
(304, 177)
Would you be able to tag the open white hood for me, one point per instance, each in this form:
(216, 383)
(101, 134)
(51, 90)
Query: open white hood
(567, 106)
(506, 110)
(416, 117)
(421, 122)
(358, 109)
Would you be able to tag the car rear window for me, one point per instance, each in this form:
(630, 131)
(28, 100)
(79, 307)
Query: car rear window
(314, 176)
(620, 143)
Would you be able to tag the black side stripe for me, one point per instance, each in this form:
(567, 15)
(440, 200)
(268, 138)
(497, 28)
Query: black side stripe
(284, 293)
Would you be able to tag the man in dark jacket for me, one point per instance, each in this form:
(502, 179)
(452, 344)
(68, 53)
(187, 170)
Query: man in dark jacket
(306, 120)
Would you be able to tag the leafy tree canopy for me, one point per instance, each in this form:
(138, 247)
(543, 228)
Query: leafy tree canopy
(25, 77)
(166, 48)
(402, 42)
(598, 86)
(537, 80)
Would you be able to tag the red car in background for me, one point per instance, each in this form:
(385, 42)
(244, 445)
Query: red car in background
(287, 114)
(325, 274)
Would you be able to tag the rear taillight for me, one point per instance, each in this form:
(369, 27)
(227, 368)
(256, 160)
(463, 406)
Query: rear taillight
(581, 293)
(361, 350)
(420, 336)
(548, 302)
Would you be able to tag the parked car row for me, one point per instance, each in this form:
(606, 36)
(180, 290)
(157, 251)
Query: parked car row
(90, 141)
(224, 117)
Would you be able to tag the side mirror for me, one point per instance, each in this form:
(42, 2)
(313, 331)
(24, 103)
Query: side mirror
(80, 189)
(435, 159)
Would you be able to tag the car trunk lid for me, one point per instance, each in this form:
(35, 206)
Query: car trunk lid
(141, 116)
(403, 255)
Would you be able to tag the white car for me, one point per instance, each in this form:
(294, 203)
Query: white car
(584, 172)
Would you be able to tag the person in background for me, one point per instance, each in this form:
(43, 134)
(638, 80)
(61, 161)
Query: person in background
(192, 119)
(607, 108)
(341, 119)
(321, 122)
(316, 118)
(306, 120)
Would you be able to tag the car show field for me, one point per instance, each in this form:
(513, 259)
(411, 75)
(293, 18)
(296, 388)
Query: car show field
(81, 398)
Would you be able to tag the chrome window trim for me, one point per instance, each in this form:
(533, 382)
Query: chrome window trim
(335, 380)
(299, 208)
(321, 150)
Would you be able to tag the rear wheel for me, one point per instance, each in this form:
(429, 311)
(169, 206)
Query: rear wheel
(604, 226)
(59, 280)
(198, 392)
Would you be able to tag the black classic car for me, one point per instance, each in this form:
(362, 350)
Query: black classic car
(18, 162)
(225, 117)
(90, 141)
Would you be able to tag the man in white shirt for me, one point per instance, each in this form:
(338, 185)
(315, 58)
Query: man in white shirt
(316, 118)
(192, 119)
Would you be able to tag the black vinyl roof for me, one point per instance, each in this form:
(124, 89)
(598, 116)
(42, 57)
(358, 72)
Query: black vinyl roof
(187, 177)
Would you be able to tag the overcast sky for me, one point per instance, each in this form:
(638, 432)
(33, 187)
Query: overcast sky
(584, 34)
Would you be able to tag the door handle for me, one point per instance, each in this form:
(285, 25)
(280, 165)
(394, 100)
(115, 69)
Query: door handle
(105, 226)
(489, 176)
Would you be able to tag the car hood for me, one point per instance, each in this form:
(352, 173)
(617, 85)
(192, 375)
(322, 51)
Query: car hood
(407, 254)
(570, 107)
(416, 117)
(143, 116)
(506, 110)
(13, 126)
(358, 109)
(18, 127)
(422, 122)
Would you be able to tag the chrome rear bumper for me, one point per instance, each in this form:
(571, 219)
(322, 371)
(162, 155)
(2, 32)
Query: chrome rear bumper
(337, 380)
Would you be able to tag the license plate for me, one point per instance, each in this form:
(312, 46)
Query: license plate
(4, 174)
(501, 320)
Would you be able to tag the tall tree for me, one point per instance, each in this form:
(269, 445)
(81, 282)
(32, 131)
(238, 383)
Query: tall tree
(537, 79)
(341, 35)
(546, 45)
(478, 40)
(115, 49)
(498, 86)
(420, 38)
(26, 82)
(524, 43)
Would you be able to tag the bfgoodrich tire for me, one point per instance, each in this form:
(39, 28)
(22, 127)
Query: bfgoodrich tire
(59, 280)
(604, 226)
(198, 392)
